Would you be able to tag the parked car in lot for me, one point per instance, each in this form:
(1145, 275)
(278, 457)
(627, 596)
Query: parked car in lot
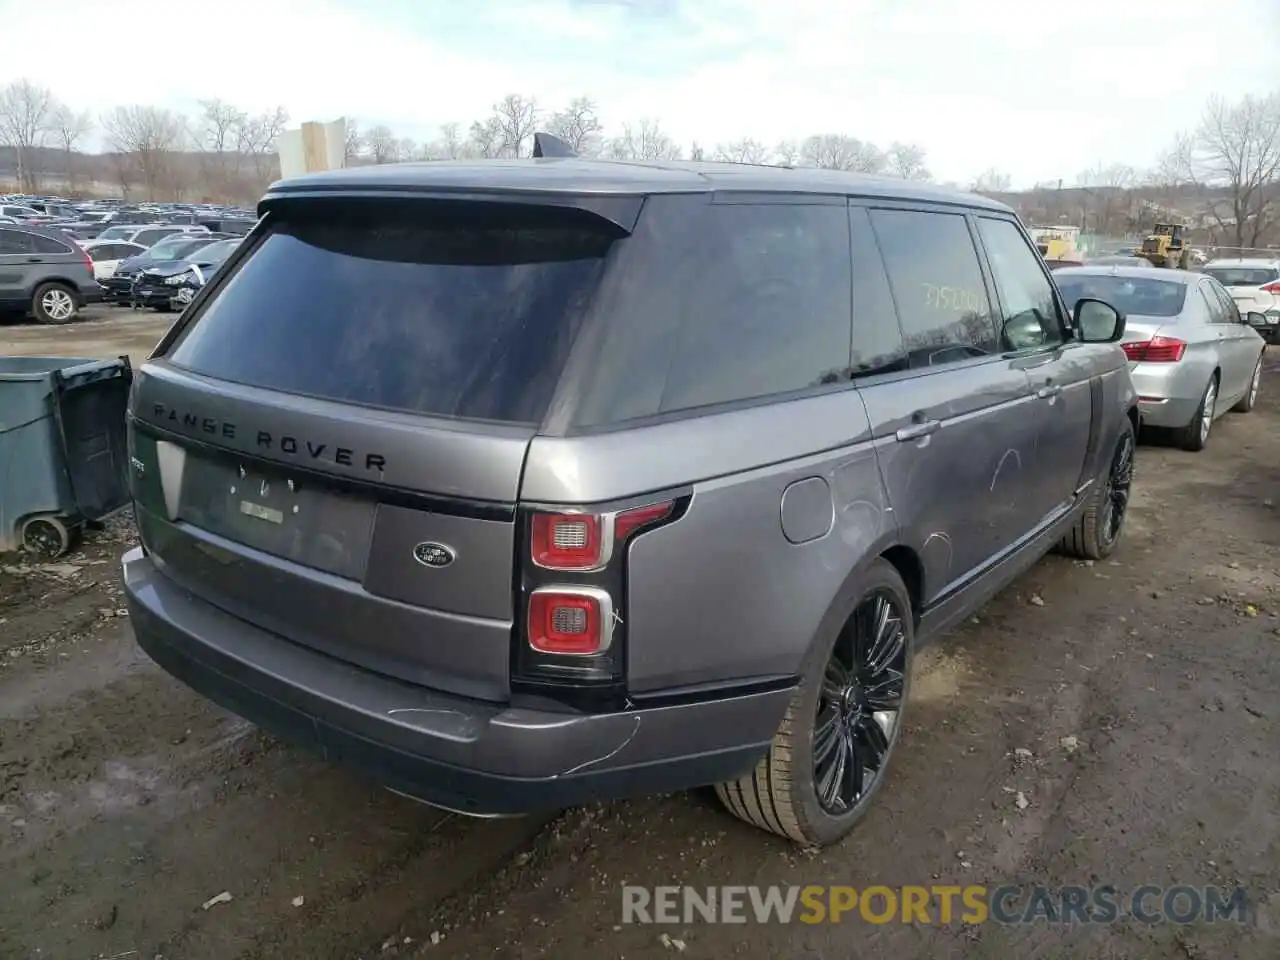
(119, 287)
(44, 274)
(1117, 260)
(1192, 355)
(158, 285)
(548, 482)
(147, 234)
(109, 254)
(1254, 284)
(204, 268)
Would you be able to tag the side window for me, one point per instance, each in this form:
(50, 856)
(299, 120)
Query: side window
(767, 305)
(709, 303)
(43, 244)
(877, 338)
(937, 286)
(1030, 317)
(15, 242)
(1217, 314)
(1231, 312)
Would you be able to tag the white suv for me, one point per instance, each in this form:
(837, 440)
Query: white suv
(1254, 284)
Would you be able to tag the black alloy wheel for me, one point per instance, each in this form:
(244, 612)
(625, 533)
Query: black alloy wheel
(1115, 502)
(860, 704)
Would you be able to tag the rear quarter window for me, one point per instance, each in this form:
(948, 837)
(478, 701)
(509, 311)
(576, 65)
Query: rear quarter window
(43, 244)
(443, 311)
(715, 303)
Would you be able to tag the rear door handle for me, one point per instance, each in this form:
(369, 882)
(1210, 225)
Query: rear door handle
(917, 430)
(35, 259)
(1047, 391)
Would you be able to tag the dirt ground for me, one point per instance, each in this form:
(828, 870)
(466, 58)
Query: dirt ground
(127, 802)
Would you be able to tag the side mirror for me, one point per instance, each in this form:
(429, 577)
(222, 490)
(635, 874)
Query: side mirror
(1098, 321)
(1255, 319)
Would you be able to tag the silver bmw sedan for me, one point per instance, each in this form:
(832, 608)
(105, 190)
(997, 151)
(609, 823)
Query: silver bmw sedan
(1192, 355)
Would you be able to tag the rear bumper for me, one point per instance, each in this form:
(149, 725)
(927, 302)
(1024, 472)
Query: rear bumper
(467, 755)
(1168, 393)
(91, 294)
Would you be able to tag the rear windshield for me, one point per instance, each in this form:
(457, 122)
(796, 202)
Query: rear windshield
(462, 311)
(1140, 296)
(1243, 276)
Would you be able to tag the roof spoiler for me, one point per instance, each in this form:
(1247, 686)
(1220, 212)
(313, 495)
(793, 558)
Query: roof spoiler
(545, 145)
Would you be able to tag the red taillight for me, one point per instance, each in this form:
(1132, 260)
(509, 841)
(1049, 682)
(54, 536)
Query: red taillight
(568, 541)
(570, 621)
(88, 260)
(629, 521)
(1272, 288)
(585, 541)
(1155, 350)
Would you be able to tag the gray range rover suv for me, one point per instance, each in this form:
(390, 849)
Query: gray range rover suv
(522, 484)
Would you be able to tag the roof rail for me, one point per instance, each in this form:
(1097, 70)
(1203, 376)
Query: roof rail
(545, 145)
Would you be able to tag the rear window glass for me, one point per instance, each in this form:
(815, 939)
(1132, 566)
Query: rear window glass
(1140, 296)
(1243, 276)
(428, 310)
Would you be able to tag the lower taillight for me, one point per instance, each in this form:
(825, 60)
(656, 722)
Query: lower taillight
(570, 621)
(1155, 350)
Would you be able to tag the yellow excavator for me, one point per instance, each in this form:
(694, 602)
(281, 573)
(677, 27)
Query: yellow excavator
(1166, 246)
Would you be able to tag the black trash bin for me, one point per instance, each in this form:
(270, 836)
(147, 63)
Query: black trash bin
(63, 449)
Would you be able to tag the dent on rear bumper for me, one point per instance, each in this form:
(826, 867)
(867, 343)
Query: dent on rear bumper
(473, 756)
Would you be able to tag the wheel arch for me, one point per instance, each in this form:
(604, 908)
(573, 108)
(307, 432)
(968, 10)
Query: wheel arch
(60, 281)
(898, 555)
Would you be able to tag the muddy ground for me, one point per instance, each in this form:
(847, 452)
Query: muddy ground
(126, 802)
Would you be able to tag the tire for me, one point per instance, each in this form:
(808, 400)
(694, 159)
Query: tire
(1097, 531)
(46, 537)
(1195, 435)
(54, 303)
(781, 794)
(1250, 398)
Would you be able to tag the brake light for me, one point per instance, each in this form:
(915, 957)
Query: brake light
(580, 542)
(568, 541)
(570, 621)
(88, 260)
(1155, 350)
(1272, 288)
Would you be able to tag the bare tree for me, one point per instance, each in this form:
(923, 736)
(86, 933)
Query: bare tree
(1106, 196)
(745, 150)
(644, 141)
(70, 128)
(487, 138)
(256, 139)
(1236, 150)
(149, 136)
(835, 151)
(382, 143)
(906, 160)
(452, 146)
(579, 126)
(696, 152)
(353, 143)
(26, 111)
(990, 181)
(517, 118)
(787, 153)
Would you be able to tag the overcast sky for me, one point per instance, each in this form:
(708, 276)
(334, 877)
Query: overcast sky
(1041, 90)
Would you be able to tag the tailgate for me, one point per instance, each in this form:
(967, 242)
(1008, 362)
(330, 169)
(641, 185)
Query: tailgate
(307, 520)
